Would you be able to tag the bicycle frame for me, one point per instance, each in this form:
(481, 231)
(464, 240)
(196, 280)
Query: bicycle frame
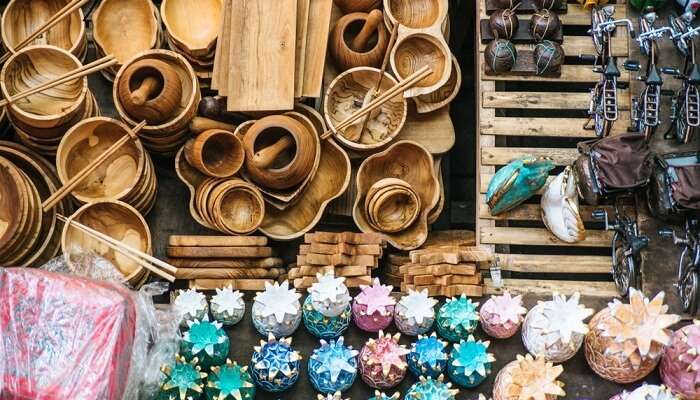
(685, 107)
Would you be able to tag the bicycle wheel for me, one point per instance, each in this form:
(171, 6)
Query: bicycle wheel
(602, 126)
(623, 266)
(680, 125)
(687, 282)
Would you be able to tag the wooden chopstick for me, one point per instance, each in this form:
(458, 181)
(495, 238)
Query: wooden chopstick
(67, 10)
(401, 87)
(141, 258)
(73, 182)
(77, 73)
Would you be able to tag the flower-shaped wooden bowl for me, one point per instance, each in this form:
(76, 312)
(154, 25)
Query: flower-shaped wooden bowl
(193, 25)
(50, 108)
(347, 94)
(117, 220)
(416, 14)
(21, 18)
(442, 96)
(121, 174)
(413, 164)
(417, 48)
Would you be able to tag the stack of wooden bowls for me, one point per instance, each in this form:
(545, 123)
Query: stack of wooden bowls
(192, 29)
(28, 237)
(40, 120)
(117, 220)
(127, 175)
(21, 18)
(160, 87)
(125, 28)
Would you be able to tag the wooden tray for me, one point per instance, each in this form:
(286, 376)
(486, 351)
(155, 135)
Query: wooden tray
(521, 115)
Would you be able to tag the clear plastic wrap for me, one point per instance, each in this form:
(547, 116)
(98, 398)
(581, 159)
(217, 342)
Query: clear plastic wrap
(74, 332)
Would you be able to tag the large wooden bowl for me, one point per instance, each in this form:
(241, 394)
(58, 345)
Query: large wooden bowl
(193, 25)
(442, 96)
(416, 14)
(125, 28)
(21, 18)
(12, 206)
(115, 178)
(347, 93)
(34, 65)
(415, 49)
(113, 218)
(412, 163)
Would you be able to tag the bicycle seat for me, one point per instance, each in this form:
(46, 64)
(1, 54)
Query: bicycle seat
(611, 68)
(654, 77)
(694, 75)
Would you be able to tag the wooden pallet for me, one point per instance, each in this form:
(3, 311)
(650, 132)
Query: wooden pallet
(521, 115)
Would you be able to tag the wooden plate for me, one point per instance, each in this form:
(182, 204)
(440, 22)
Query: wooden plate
(125, 28)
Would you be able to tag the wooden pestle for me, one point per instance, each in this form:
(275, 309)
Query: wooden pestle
(265, 157)
(148, 86)
(374, 18)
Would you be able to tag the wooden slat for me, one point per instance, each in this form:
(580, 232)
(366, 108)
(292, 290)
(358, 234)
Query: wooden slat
(503, 155)
(547, 100)
(540, 237)
(576, 45)
(546, 287)
(531, 212)
(484, 180)
(575, 15)
(550, 127)
(569, 73)
(554, 263)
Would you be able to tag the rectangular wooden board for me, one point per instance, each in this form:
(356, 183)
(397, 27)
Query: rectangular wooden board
(451, 256)
(268, 262)
(228, 273)
(316, 45)
(262, 55)
(336, 260)
(300, 56)
(246, 285)
(209, 252)
(342, 248)
(439, 269)
(344, 237)
(447, 280)
(226, 241)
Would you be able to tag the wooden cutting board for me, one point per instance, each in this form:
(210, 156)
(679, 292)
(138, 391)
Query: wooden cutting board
(262, 55)
(316, 45)
(302, 29)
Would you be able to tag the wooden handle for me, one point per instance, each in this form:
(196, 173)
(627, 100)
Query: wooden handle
(373, 20)
(145, 90)
(265, 157)
(201, 124)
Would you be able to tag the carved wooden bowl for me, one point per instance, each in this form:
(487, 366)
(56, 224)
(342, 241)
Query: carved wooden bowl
(150, 90)
(21, 18)
(391, 205)
(216, 153)
(50, 108)
(412, 163)
(351, 6)
(416, 14)
(342, 38)
(125, 28)
(236, 206)
(347, 93)
(193, 25)
(280, 152)
(415, 49)
(121, 174)
(441, 97)
(13, 205)
(117, 220)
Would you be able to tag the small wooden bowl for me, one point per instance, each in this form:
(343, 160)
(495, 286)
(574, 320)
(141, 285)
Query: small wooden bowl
(347, 93)
(34, 65)
(351, 6)
(21, 18)
(415, 49)
(346, 29)
(125, 28)
(117, 220)
(426, 103)
(114, 179)
(416, 14)
(237, 207)
(391, 205)
(216, 153)
(150, 90)
(193, 25)
(412, 163)
(11, 205)
(275, 169)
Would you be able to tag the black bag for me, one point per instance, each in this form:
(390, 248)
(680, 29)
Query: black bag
(675, 185)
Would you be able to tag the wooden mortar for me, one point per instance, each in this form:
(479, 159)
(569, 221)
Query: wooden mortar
(216, 153)
(150, 90)
(352, 47)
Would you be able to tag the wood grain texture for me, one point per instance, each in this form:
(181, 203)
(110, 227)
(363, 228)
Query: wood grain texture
(548, 127)
(342, 248)
(575, 45)
(316, 46)
(218, 251)
(546, 100)
(540, 287)
(262, 57)
(224, 241)
(246, 285)
(540, 237)
(438, 269)
(125, 28)
(548, 263)
(503, 155)
(300, 56)
(228, 262)
(336, 260)
(193, 26)
(227, 273)
(569, 73)
(345, 237)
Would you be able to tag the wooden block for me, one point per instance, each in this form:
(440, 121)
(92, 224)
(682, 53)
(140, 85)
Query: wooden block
(524, 65)
(300, 56)
(343, 248)
(439, 269)
(526, 7)
(357, 281)
(269, 262)
(336, 260)
(228, 273)
(237, 284)
(216, 241)
(522, 35)
(344, 237)
(433, 290)
(316, 45)
(453, 256)
(447, 280)
(210, 251)
(458, 290)
(262, 55)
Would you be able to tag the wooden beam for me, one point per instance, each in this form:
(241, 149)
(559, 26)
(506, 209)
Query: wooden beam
(531, 212)
(546, 100)
(540, 237)
(554, 263)
(546, 287)
(575, 45)
(569, 73)
(549, 127)
(503, 155)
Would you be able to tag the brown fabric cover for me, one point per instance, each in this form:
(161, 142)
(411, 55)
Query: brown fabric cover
(686, 192)
(622, 161)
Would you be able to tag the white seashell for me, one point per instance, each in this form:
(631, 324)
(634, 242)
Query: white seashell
(560, 210)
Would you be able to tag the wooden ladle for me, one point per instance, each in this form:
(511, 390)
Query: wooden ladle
(355, 53)
(150, 90)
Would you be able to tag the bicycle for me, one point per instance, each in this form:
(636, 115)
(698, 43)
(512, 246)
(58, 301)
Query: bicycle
(603, 110)
(688, 263)
(627, 245)
(644, 115)
(685, 107)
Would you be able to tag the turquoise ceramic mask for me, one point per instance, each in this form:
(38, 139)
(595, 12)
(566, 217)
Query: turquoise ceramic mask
(517, 182)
